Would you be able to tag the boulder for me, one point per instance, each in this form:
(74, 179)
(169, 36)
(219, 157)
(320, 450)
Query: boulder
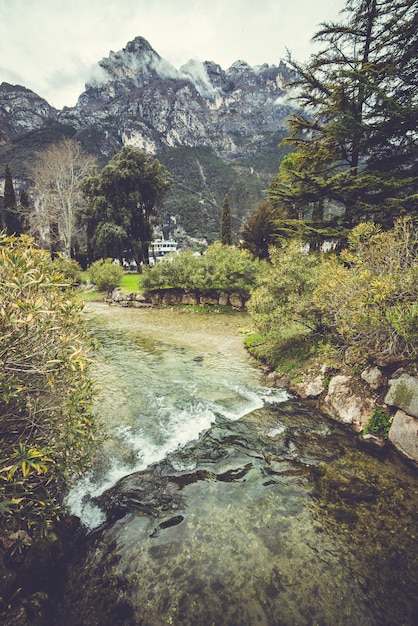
(223, 299)
(403, 434)
(309, 388)
(373, 377)
(403, 394)
(347, 403)
(274, 379)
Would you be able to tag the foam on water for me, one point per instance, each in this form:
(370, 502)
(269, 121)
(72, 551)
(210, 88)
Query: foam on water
(158, 394)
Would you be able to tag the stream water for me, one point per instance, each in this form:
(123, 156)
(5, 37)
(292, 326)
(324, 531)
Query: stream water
(217, 500)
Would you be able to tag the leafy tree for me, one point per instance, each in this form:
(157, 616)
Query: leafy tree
(357, 142)
(47, 431)
(226, 223)
(121, 202)
(258, 233)
(12, 217)
(57, 173)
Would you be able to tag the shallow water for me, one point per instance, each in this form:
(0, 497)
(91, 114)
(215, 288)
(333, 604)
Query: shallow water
(266, 512)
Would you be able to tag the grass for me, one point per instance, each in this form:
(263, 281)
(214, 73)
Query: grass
(289, 352)
(130, 282)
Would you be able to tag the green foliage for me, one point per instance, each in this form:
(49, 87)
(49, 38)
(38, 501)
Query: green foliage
(226, 236)
(47, 431)
(224, 268)
(369, 295)
(201, 179)
(69, 268)
(105, 274)
(257, 233)
(357, 144)
(283, 295)
(122, 199)
(379, 423)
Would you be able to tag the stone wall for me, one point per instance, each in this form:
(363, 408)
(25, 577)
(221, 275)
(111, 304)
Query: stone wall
(170, 297)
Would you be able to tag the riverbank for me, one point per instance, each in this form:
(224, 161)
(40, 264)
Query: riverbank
(379, 401)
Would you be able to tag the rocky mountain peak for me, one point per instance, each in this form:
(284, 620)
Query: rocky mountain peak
(22, 110)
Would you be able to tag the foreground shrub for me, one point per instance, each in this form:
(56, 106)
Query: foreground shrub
(47, 432)
(224, 268)
(369, 295)
(283, 296)
(105, 274)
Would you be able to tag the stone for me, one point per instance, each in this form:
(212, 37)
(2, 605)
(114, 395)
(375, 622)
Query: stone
(403, 435)
(373, 377)
(403, 394)
(274, 379)
(236, 301)
(190, 299)
(347, 403)
(223, 299)
(310, 388)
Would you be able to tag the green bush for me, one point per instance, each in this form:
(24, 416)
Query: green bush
(224, 268)
(47, 431)
(105, 274)
(282, 298)
(69, 268)
(369, 295)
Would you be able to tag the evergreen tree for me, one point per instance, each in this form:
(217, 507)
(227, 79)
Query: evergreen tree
(226, 237)
(258, 233)
(357, 144)
(12, 217)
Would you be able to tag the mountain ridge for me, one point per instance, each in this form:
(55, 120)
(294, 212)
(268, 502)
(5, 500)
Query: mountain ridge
(136, 97)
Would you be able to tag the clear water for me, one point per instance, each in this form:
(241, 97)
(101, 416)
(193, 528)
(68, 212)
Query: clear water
(296, 524)
(163, 378)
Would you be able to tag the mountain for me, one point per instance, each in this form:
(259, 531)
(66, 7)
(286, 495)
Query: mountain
(216, 130)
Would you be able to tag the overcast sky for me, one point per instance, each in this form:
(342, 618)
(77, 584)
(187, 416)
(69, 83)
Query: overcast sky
(51, 46)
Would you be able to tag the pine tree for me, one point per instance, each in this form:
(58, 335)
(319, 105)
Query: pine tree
(226, 237)
(11, 214)
(358, 143)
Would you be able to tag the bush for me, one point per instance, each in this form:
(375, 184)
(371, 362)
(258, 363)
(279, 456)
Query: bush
(105, 274)
(283, 296)
(369, 295)
(69, 268)
(224, 268)
(47, 432)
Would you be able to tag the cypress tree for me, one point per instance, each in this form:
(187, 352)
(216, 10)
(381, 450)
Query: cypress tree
(226, 237)
(12, 219)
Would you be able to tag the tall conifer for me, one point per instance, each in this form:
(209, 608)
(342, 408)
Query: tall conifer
(226, 237)
(12, 218)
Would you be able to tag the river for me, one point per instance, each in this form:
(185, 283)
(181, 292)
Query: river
(217, 500)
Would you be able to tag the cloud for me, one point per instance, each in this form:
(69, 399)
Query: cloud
(50, 46)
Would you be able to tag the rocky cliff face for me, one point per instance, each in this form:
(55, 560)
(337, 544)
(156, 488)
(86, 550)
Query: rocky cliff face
(21, 111)
(138, 98)
(220, 120)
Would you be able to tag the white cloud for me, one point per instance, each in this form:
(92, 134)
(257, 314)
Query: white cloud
(50, 46)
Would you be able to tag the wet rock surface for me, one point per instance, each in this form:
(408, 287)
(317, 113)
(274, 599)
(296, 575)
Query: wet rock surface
(266, 520)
